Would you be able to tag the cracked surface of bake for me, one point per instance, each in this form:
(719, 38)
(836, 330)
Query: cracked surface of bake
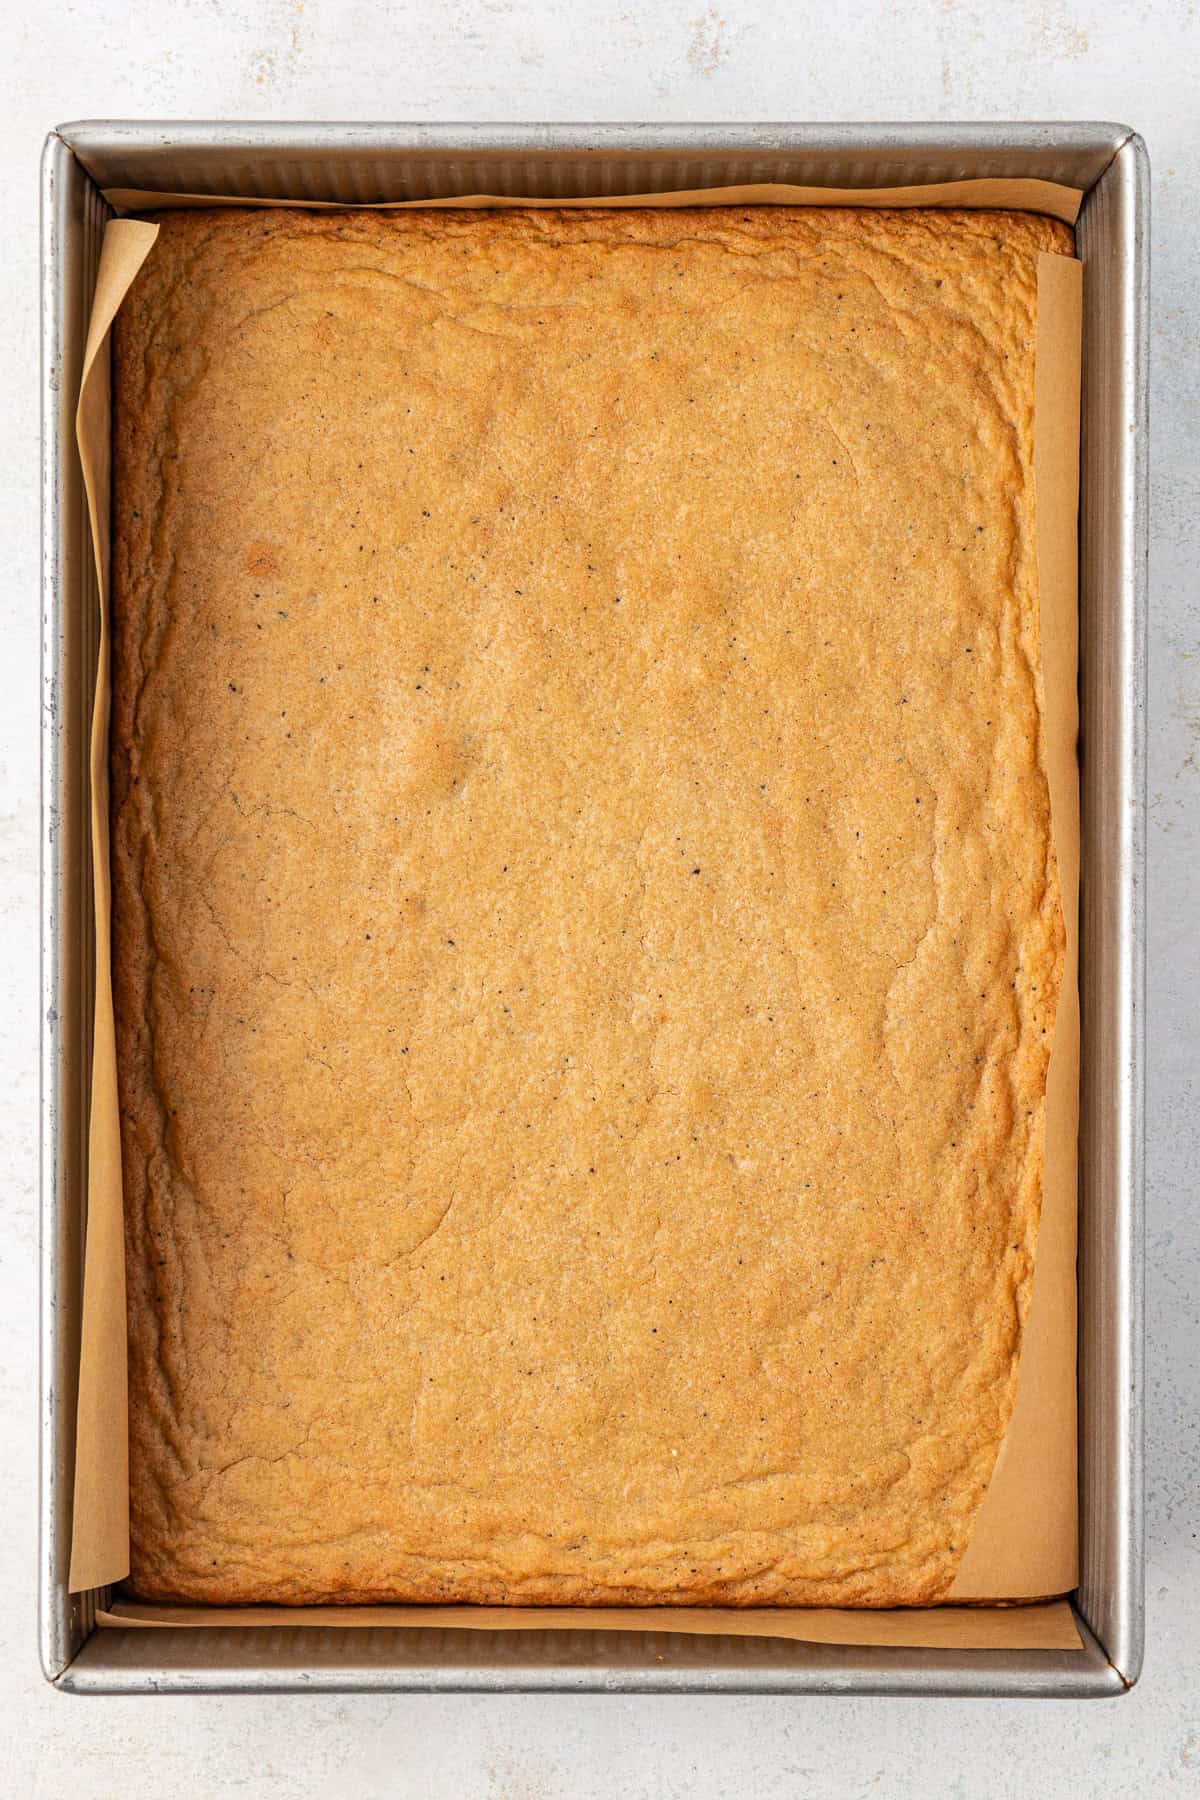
(586, 927)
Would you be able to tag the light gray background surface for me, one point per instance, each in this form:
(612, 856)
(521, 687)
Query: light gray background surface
(613, 60)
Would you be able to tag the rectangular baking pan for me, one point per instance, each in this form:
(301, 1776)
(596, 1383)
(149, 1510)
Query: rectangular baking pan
(358, 163)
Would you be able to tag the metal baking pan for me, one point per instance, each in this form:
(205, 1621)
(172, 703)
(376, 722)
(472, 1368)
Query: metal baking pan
(355, 163)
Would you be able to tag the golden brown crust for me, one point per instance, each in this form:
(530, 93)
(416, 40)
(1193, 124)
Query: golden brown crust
(586, 925)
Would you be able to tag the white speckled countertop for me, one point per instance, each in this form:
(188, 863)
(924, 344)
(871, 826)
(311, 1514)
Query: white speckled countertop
(618, 59)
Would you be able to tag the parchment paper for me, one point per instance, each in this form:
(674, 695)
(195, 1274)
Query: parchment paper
(100, 1534)
(1050, 1626)
(989, 194)
(1023, 1546)
(1025, 1538)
